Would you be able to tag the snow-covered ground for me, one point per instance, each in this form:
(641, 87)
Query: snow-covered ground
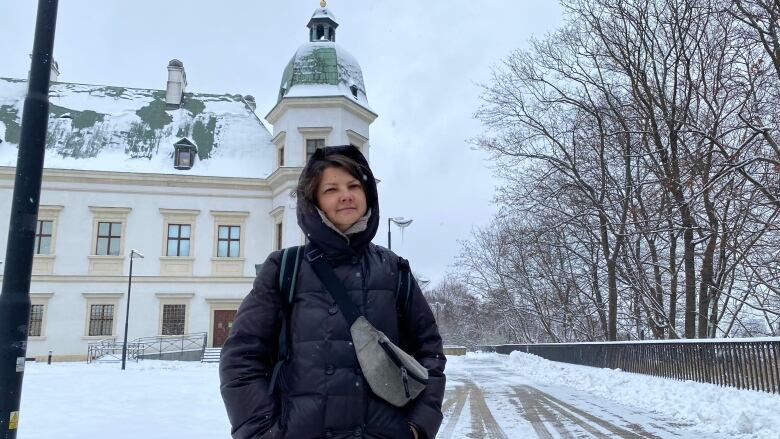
(707, 407)
(149, 400)
(488, 396)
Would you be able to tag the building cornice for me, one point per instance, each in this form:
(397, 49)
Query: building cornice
(140, 279)
(143, 179)
(278, 139)
(356, 135)
(319, 102)
(282, 175)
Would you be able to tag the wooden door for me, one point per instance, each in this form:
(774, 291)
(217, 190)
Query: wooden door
(223, 321)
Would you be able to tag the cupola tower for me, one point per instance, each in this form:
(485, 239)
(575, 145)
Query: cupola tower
(321, 98)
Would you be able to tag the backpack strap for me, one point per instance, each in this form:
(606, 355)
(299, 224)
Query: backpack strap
(404, 288)
(288, 275)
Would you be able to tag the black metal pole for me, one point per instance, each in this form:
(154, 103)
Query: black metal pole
(389, 241)
(127, 311)
(15, 295)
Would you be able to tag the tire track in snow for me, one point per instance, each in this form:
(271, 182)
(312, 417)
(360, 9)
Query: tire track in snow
(582, 418)
(672, 428)
(638, 433)
(574, 420)
(524, 411)
(531, 412)
(455, 402)
(483, 424)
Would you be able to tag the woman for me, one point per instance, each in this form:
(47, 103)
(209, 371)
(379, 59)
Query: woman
(320, 391)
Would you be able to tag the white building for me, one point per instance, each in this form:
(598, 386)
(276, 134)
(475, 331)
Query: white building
(193, 181)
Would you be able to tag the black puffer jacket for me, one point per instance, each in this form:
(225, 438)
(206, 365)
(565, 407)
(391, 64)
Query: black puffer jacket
(322, 392)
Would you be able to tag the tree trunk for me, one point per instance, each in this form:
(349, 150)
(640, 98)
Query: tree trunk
(672, 279)
(690, 273)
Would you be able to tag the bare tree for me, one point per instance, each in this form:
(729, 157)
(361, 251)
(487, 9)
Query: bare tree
(636, 145)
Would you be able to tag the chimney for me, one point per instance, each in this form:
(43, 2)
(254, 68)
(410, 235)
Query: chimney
(177, 83)
(250, 100)
(55, 71)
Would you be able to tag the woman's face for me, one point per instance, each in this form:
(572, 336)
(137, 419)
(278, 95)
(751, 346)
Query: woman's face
(341, 197)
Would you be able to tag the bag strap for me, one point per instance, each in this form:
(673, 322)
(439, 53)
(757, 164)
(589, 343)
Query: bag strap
(333, 285)
(404, 288)
(288, 275)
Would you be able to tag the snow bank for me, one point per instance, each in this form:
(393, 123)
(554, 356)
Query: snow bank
(714, 409)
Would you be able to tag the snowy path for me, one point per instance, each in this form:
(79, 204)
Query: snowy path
(486, 398)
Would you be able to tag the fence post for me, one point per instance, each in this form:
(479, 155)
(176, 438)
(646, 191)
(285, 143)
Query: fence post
(761, 366)
(776, 362)
(745, 379)
(731, 366)
(755, 366)
(774, 359)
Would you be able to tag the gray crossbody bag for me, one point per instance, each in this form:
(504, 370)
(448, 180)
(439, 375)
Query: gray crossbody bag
(392, 374)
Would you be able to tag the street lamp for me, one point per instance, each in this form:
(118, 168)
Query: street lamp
(133, 254)
(400, 222)
(437, 305)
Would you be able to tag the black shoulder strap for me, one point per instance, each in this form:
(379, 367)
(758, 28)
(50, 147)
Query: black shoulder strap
(288, 272)
(288, 275)
(333, 285)
(404, 287)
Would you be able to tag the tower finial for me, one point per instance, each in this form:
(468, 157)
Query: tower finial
(323, 3)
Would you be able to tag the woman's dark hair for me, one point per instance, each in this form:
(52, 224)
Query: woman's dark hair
(310, 180)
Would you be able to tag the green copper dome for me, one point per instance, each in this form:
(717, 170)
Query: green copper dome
(322, 68)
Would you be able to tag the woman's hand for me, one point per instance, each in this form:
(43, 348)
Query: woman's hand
(414, 431)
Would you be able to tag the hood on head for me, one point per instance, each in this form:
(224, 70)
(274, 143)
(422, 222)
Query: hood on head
(320, 234)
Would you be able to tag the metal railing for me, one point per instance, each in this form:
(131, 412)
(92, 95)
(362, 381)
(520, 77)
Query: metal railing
(110, 349)
(161, 344)
(742, 363)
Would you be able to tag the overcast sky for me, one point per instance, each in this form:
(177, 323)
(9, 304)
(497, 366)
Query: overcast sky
(421, 60)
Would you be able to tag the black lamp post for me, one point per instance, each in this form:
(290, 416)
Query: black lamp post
(133, 253)
(400, 222)
(17, 266)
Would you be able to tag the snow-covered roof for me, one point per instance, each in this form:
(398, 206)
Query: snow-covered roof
(323, 13)
(103, 128)
(323, 68)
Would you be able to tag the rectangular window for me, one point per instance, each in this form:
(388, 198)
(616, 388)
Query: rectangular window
(173, 319)
(108, 239)
(228, 241)
(43, 237)
(101, 320)
(279, 236)
(281, 156)
(179, 239)
(36, 321)
(313, 145)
